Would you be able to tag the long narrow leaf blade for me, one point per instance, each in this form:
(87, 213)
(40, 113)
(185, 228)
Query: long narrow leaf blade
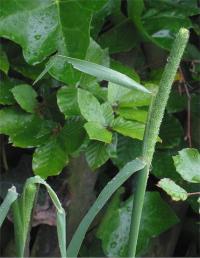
(106, 193)
(50, 63)
(5, 206)
(61, 231)
(105, 73)
(96, 70)
(60, 215)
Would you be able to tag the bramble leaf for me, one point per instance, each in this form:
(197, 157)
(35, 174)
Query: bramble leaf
(132, 129)
(187, 164)
(96, 154)
(97, 132)
(176, 192)
(67, 101)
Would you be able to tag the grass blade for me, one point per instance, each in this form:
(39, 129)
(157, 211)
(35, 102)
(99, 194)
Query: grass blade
(96, 70)
(105, 73)
(60, 216)
(5, 206)
(101, 200)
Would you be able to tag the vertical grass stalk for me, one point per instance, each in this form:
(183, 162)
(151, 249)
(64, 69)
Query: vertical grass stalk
(155, 116)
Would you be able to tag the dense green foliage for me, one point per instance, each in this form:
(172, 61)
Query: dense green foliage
(77, 79)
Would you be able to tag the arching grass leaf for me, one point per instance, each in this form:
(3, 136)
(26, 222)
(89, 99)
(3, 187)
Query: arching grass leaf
(7, 202)
(106, 193)
(113, 231)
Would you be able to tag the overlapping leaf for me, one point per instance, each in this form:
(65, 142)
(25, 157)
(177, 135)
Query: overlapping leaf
(187, 164)
(113, 230)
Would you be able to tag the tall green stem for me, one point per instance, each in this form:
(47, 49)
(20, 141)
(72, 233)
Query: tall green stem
(155, 116)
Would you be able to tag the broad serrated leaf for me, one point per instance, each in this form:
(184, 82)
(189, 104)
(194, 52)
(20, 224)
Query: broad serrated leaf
(96, 154)
(50, 159)
(90, 107)
(127, 150)
(176, 192)
(115, 93)
(187, 164)
(133, 114)
(132, 129)
(25, 96)
(13, 120)
(98, 132)
(107, 113)
(67, 101)
(135, 98)
(33, 134)
(113, 231)
(73, 134)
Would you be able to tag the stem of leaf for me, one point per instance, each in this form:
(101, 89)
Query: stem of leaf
(155, 116)
(195, 193)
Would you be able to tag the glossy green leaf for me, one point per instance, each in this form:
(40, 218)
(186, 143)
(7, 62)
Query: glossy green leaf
(33, 134)
(132, 129)
(133, 114)
(171, 132)
(113, 231)
(127, 150)
(19, 64)
(125, 43)
(101, 200)
(112, 7)
(136, 98)
(6, 96)
(67, 101)
(115, 93)
(25, 96)
(31, 24)
(95, 54)
(13, 120)
(108, 113)
(187, 164)
(50, 159)
(42, 27)
(96, 154)
(90, 107)
(163, 166)
(176, 192)
(97, 132)
(73, 28)
(122, 68)
(72, 134)
(160, 20)
(4, 64)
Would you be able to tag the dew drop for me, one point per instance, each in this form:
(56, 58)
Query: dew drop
(37, 37)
